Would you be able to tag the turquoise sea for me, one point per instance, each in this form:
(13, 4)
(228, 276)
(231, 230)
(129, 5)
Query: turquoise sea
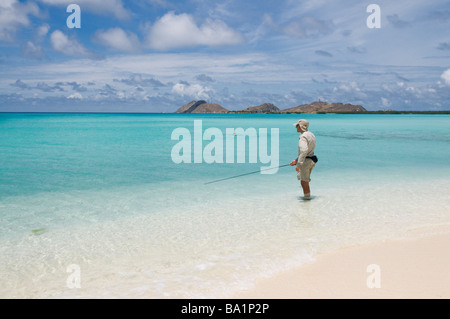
(101, 192)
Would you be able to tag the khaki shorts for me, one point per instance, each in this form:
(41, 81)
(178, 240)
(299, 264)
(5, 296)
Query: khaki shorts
(305, 170)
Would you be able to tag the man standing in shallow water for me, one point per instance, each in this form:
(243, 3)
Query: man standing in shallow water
(306, 159)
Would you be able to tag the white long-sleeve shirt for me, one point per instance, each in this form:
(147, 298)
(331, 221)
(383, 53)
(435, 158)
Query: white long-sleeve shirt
(306, 146)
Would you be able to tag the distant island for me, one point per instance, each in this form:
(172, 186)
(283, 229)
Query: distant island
(201, 107)
(318, 107)
(315, 107)
(263, 108)
(323, 107)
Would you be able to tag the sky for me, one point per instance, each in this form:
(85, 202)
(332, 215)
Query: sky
(157, 55)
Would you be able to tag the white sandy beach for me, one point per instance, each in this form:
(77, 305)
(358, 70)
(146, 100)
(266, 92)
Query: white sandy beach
(417, 266)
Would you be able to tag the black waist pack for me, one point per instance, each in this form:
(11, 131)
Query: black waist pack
(314, 158)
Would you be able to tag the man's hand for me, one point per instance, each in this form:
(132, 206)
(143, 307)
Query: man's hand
(294, 162)
(297, 169)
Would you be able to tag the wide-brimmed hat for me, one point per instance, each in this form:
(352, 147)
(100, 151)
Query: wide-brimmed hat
(304, 124)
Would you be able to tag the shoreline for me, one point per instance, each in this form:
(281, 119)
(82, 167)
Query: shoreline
(411, 267)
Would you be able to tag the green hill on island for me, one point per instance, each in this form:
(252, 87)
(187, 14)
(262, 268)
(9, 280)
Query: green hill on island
(323, 107)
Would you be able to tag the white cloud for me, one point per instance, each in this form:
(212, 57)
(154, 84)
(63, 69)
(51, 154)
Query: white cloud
(446, 76)
(105, 7)
(32, 50)
(350, 87)
(179, 31)
(166, 67)
(350, 90)
(72, 47)
(195, 91)
(117, 39)
(43, 30)
(385, 102)
(13, 15)
(308, 27)
(75, 95)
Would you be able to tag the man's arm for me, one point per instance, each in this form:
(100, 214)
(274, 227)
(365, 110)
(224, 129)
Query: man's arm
(303, 145)
(294, 162)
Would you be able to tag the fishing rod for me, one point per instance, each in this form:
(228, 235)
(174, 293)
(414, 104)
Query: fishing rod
(224, 179)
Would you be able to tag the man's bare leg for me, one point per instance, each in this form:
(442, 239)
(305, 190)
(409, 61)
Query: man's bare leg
(306, 190)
